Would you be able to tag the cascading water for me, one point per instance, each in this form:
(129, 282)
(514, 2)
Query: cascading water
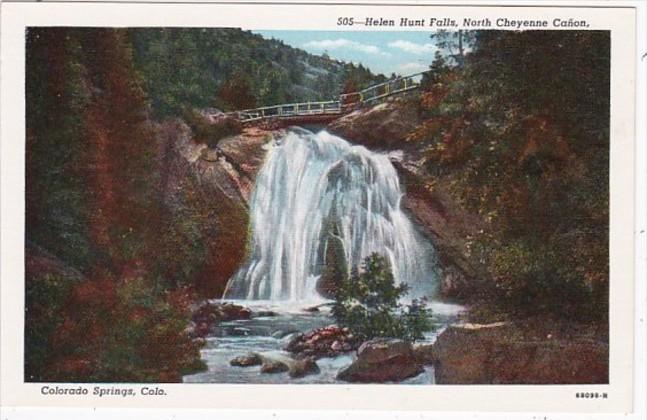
(316, 186)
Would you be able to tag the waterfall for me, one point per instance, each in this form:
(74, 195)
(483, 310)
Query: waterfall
(312, 183)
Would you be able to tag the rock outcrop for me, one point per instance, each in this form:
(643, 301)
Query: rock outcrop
(449, 226)
(210, 187)
(504, 353)
(382, 360)
(384, 126)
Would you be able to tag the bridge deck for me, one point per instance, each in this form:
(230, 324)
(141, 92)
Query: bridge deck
(346, 102)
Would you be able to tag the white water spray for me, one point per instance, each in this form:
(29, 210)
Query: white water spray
(307, 182)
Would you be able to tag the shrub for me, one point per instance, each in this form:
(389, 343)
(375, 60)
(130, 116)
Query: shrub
(210, 133)
(369, 304)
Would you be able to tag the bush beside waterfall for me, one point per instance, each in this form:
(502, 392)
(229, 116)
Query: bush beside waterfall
(369, 304)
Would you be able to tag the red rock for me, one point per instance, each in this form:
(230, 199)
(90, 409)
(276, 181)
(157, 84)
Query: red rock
(319, 342)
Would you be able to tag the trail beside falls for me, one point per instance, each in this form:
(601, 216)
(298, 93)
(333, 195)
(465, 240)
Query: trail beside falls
(316, 187)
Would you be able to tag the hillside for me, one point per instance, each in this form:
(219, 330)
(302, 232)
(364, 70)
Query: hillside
(233, 69)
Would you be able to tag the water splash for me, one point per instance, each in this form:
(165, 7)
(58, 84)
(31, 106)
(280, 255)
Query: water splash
(308, 183)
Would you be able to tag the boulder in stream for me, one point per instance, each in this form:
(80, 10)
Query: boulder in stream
(274, 366)
(276, 362)
(206, 315)
(328, 341)
(262, 314)
(303, 367)
(251, 359)
(382, 360)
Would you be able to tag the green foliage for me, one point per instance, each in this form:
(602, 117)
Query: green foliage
(195, 68)
(359, 77)
(56, 207)
(438, 71)
(369, 304)
(45, 299)
(454, 44)
(520, 133)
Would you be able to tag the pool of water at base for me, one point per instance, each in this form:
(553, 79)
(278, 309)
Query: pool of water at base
(270, 334)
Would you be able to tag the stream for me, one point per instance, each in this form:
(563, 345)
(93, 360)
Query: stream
(270, 334)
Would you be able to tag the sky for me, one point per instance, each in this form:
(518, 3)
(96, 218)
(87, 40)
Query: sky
(405, 52)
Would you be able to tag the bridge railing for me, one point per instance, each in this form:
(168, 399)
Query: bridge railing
(290, 110)
(390, 87)
(346, 101)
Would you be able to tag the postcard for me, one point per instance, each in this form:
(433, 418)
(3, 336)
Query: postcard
(301, 205)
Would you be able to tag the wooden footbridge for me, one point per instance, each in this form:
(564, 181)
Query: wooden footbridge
(326, 111)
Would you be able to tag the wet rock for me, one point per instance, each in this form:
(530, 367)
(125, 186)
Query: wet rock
(321, 342)
(382, 360)
(232, 312)
(260, 314)
(215, 312)
(207, 314)
(240, 332)
(286, 339)
(274, 366)
(202, 329)
(424, 353)
(251, 359)
(281, 334)
(303, 367)
(311, 309)
(274, 362)
(200, 341)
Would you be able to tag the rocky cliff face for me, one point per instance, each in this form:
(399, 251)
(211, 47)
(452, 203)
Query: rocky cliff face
(211, 187)
(386, 127)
